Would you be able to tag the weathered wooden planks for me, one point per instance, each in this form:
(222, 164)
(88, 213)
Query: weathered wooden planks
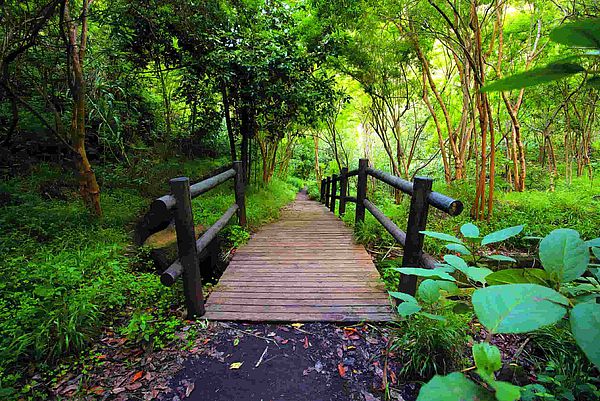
(304, 267)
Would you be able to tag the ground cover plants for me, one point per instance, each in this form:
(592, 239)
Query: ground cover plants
(73, 275)
(509, 301)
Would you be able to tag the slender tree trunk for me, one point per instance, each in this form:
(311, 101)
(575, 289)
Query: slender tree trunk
(428, 79)
(14, 122)
(230, 133)
(166, 99)
(247, 129)
(317, 166)
(88, 186)
(440, 136)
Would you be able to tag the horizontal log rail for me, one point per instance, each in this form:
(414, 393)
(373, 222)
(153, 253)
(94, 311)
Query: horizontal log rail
(172, 273)
(427, 261)
(440, 201)
(421, 198)
(193, 252)
(167, 202)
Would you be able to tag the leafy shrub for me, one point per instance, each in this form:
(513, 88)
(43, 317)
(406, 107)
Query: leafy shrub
(236, 235)
(428, 346)
(314, 189)
(70, 274)
(514, 301)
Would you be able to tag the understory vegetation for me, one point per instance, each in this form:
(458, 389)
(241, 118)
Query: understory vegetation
(72, 275)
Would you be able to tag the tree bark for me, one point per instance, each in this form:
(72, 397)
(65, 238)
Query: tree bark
(230, 133)
(77, 42)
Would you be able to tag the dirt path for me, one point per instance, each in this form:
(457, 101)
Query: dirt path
(316, 361)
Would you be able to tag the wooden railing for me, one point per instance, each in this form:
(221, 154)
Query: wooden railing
(190, 250)
(421, 198)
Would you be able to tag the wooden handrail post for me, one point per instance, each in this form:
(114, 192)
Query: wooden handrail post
(417, 220)
(240, 197)
(327, 185)
(334, 180)
(343, 190)
(186, 246)
(322, 199)
(361, 191)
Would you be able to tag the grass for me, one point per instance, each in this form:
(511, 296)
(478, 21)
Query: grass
(68, 275)
(566, 372)
(427, 347)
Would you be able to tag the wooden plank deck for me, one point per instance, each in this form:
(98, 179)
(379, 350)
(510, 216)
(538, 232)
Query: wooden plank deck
(304, 267)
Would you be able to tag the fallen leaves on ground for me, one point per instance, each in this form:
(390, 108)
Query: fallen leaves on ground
(341, 369)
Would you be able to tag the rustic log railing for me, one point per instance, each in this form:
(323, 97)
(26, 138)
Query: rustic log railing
(422, 197)
(190, 250)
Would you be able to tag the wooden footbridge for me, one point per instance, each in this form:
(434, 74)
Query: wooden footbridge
(303, 267)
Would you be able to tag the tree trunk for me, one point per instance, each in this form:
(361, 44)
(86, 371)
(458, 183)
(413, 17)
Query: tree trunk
(228, 122)
(317, 166)
(88, 186)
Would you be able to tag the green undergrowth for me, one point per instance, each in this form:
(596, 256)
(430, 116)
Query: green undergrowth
(67, 275)
(575, 206)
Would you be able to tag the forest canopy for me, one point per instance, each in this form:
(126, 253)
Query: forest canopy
(102, 80)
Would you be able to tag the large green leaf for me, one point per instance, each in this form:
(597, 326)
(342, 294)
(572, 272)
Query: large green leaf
(453, 387)
(596, 252)
(536, 76)
(585, 325)
(456, 262)
(564, 255)
(442, 236)
(584, 33)
(408, 308)
(516, 276)
(518, 308)
(506, 391)
(487, 358)
(593, 242)
(429, 290)
(531, 391)
(478, 274)
(403, 296)
(470, 230)
(417, 271)
(501, 235)
(460, 248)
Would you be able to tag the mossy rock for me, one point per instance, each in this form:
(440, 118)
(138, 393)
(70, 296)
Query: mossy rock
(163, 245)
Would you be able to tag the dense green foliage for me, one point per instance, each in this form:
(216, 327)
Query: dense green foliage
(71, 274)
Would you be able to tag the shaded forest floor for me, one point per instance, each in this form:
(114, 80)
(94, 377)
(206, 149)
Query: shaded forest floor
(225, 361)
(249, 362)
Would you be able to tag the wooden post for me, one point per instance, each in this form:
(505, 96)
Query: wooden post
(186, 247)
(417, 220)
(343, 190)
(322, 190)
(361, 191)
(240, 197)
(334, 181)
(327, 185)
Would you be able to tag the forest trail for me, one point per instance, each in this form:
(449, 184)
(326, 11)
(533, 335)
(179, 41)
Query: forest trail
(304, 267)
